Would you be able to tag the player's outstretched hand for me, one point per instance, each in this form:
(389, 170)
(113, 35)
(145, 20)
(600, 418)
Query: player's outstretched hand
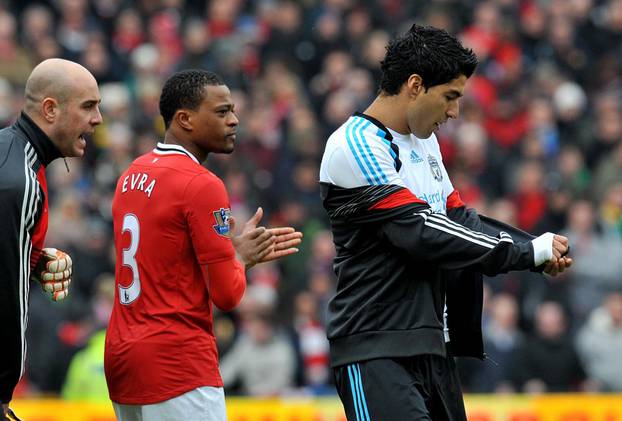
(286, 238)
(53, 271)
(258, 244)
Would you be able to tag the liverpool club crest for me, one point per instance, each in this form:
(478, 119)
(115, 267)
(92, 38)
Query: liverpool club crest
(435, 168)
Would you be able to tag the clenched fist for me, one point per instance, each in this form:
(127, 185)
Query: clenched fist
(54, 271)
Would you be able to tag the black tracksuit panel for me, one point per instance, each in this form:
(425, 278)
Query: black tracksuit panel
(24, 152)
(393, 267)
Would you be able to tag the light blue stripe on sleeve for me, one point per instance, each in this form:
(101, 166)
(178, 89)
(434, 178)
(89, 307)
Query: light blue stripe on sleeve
(379, 174)
(349, 132)
(363, 148)
(359, 382)
(354, 393)
(388, 143)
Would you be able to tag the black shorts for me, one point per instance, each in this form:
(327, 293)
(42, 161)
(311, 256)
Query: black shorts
(423, 387)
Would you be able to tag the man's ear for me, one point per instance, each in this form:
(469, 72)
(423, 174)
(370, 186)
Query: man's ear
(414, 85)
(49, 109)
(184, 119)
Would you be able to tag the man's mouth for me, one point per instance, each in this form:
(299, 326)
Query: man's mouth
(83, 138)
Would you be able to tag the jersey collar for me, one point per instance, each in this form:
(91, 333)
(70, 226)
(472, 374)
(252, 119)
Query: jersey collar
(171, 149)
(42, 144)
(385, 132)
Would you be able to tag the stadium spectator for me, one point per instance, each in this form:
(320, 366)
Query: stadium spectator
(599, 342)
(548, 361)
(610, 210)
(14, 61)
(37, 24)
(311, 343)
(262, 361)
(606, 131)
(529, 195)
(609, 170)
(572, 172)
(409, 254)
(61, 107)
(589, 283)
(85, 379)
(6, 102)
(502, 337)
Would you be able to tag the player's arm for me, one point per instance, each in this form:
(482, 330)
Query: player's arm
(396, 215)
(226, 281)
(207, 215)
(429, 236)
(458, 212)
(223, 255)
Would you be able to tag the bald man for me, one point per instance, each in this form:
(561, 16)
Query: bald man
(61, 108)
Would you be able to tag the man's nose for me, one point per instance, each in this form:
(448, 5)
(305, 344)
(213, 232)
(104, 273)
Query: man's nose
(97, 118)
(454, 110)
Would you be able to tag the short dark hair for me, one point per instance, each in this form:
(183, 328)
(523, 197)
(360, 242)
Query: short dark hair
(185, 89)
(432, 53)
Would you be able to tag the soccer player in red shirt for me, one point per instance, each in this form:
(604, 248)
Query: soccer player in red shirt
(176, 255)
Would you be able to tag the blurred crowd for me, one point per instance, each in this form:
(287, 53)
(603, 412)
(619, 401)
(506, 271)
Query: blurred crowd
(538, 145)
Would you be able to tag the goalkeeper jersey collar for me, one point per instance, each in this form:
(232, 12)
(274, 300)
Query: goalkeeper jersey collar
(42, 144)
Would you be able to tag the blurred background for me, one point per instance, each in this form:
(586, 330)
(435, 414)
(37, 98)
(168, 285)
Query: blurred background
(538, 144)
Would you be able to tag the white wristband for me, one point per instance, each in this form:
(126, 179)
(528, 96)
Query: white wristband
(542, 248)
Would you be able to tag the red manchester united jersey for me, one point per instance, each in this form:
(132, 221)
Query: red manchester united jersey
(170, 218)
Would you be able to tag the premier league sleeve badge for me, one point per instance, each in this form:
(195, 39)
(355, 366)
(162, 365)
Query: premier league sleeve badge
(222, 221)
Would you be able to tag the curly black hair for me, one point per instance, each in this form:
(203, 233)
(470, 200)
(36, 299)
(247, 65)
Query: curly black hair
(432, 53)
(185, 89)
